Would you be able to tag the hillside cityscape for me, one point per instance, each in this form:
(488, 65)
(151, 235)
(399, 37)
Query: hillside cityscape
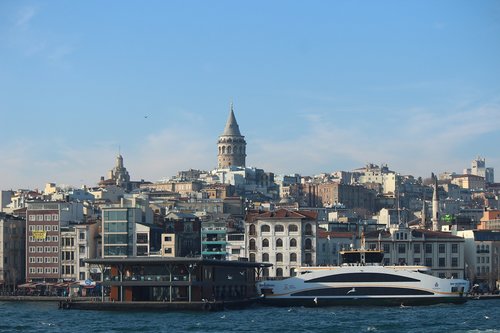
(449, 222)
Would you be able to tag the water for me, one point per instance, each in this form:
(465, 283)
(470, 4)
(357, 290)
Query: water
(474, 316)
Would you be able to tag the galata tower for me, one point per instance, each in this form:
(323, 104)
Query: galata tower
(231, 145)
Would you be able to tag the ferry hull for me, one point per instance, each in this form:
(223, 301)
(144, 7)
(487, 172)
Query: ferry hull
(396, 301)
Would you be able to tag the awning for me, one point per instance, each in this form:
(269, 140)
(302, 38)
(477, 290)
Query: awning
(27, 285)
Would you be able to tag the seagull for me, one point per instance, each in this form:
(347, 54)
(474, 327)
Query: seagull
(145, 116)
(353, 290)
(229, 277)
(402, 306)
(486, 317)
(315, 300)
(223, 316)
(242, 273)
(290, 310)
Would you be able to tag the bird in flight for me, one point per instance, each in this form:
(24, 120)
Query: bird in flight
(315, 300)
(353, 290)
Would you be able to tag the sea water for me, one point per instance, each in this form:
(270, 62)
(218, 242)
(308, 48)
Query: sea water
(473, 316)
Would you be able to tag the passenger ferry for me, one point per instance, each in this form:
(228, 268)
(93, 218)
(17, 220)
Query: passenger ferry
(361, 280)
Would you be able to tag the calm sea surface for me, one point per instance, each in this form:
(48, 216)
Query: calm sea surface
(474, 316)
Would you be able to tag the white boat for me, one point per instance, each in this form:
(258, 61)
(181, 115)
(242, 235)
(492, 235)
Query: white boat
(360, 280)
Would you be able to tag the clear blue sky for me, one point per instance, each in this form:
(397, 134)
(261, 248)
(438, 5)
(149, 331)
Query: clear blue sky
(317, 86)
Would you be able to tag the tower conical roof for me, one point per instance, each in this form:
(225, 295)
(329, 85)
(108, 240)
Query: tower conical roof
(231, 128)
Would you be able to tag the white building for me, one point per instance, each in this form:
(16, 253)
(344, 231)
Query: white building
(287, 239)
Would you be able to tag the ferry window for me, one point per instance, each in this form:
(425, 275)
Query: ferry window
(442, 248)
(265, 228)
(265, 257)
(428, 248)
(293, 242)
(279, 257)
(442, 262)
(265, 242)
(454, 248)
(416, 248)
(441, 275)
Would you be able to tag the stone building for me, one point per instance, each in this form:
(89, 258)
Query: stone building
(12, 251)
(231, 145)
(287, 239)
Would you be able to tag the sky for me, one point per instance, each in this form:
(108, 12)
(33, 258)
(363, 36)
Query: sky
(317, 86)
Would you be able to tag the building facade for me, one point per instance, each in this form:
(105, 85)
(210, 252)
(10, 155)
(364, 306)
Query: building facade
(286, 239)
(12, 251)
(44, 221)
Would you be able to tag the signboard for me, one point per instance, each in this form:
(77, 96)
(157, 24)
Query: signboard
(39, 234)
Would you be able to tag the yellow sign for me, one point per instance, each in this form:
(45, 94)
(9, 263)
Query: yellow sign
(39, 234)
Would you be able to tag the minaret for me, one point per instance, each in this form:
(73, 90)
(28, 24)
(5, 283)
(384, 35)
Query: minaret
(231, 144)
(423, 222)
(435, 205)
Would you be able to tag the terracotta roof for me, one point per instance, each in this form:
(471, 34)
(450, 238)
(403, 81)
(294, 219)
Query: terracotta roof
(280, 214)
(334, 234)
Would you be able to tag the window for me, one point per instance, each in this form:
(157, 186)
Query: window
(55, 249)
(279, 228)
(40, 217)
(32, 218)
(252, 257)
(55, 270)
(47, 249)
(235, 251)
(454, 262)
(265, 228)
(293, 242)
(279, 272)
(31, 227)
(401, 248)
(454, 248)
(416, 261)
(251, 230)
(293, 228)
(32, 260)
(279, 257)
(387, 247)
(308, 244)
(168, 239)
(265, 257)
(308, 229)
(82, 235)
(55, 228)
(428, 248)
(55, 260)
(32, 249)
(279, 242)
(416, 248)
(442, 248)
(55, 217)
(428, 262)
(265, 242)
(293, 257)
(442, 262)
(48, 217)
(252, 244)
